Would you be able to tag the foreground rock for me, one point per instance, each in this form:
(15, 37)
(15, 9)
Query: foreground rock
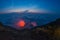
(50, 31)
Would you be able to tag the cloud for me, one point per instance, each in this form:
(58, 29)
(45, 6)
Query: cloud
(39, 11)
(33, 9)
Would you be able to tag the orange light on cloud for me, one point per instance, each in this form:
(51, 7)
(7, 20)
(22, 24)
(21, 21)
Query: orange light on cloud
(21, 23)
(34, 24)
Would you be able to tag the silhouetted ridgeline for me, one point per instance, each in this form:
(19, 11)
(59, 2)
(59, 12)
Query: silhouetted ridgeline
(50, 31)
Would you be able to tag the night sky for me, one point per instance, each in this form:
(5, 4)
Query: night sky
(35, 5)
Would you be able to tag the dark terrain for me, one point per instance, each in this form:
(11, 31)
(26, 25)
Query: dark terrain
(50, 31)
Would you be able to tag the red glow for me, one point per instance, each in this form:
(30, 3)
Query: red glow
(21, 23)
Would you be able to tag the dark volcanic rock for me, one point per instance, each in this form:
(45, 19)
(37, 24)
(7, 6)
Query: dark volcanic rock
(50, 31)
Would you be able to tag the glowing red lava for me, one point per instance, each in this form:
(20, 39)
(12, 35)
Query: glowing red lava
(21, 23)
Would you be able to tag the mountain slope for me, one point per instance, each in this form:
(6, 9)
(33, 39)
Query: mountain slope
(50, 31)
